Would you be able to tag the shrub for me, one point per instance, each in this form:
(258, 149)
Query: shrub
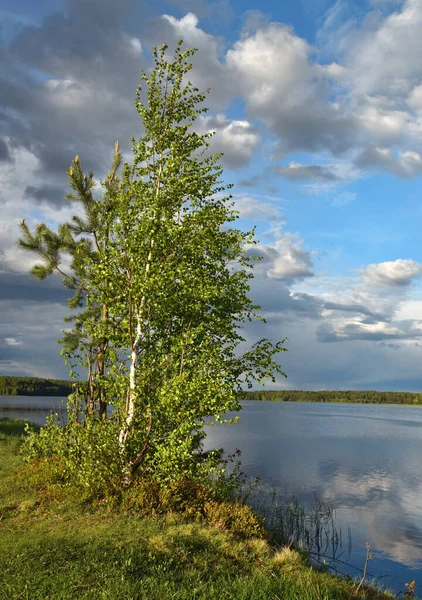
(83, 455)
(196, 501)
(234, 517)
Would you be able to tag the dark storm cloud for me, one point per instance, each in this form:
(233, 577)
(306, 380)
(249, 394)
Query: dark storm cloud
(276, 298)
(4, 151)
(47, 193)
(24, 287)
(69, 85)
(312, 130)
(10, 352)
(28, 336)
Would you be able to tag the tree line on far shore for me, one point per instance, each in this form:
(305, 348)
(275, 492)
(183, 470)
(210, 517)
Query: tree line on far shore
(33, 386)
(347, 396)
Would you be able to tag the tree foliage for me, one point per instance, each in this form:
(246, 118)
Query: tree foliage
(77, 244)
(173, 273)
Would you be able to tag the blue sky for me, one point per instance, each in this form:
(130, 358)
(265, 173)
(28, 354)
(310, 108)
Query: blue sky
(317, 107)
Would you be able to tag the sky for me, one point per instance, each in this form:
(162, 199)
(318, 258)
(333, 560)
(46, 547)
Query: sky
(317, 107)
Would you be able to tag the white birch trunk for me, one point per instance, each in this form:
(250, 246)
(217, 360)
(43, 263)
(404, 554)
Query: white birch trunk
(131, 404)
(130, 411)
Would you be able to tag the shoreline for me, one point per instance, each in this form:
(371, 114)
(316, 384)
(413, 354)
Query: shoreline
(133, 555)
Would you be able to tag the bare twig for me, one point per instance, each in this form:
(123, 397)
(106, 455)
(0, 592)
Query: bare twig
(367, 559)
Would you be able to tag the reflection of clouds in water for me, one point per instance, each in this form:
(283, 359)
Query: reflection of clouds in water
(379, 508)
(367, 467)
(355, 488)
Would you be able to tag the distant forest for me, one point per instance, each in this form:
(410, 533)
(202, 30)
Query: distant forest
(33, 386)
(361, 397)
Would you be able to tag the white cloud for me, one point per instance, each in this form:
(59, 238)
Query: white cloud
(385, 125)
(68, 94)
(286, 90)
(254, 208)
(406, 165)
(209, 68)
(14, 178)
(415, 98)
(11, 341)
(386, 60)
(187, 24)
(285, 259)
(369, 307)
(410, 309)
(237, 139)
(135, 45)
(392, 273)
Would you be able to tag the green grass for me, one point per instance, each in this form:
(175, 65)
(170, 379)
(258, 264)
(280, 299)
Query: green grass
(64, 551)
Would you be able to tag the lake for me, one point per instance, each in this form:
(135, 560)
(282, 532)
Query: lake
(366, 460)
(33, 408)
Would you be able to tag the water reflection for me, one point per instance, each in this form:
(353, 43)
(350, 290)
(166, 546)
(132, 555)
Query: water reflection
(364, 459)
(32, 408)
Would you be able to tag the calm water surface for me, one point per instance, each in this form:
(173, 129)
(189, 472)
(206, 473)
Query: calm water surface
(364, 459)
(33, 408)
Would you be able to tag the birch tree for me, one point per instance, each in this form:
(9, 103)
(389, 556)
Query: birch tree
(171, 272)
(175, 278)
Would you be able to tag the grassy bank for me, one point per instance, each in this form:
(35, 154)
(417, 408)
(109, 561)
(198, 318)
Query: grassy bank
(51, 549)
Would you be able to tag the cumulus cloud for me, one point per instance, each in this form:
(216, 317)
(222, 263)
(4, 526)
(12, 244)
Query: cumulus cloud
(406, 165)
(85, 97)
(397, 37)
(285, 259)
(392, 273)
(236, 139)
(315, 107)
(84, 100)
(254, 208)
(369, 308)
(289, 93)
(209, 70)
